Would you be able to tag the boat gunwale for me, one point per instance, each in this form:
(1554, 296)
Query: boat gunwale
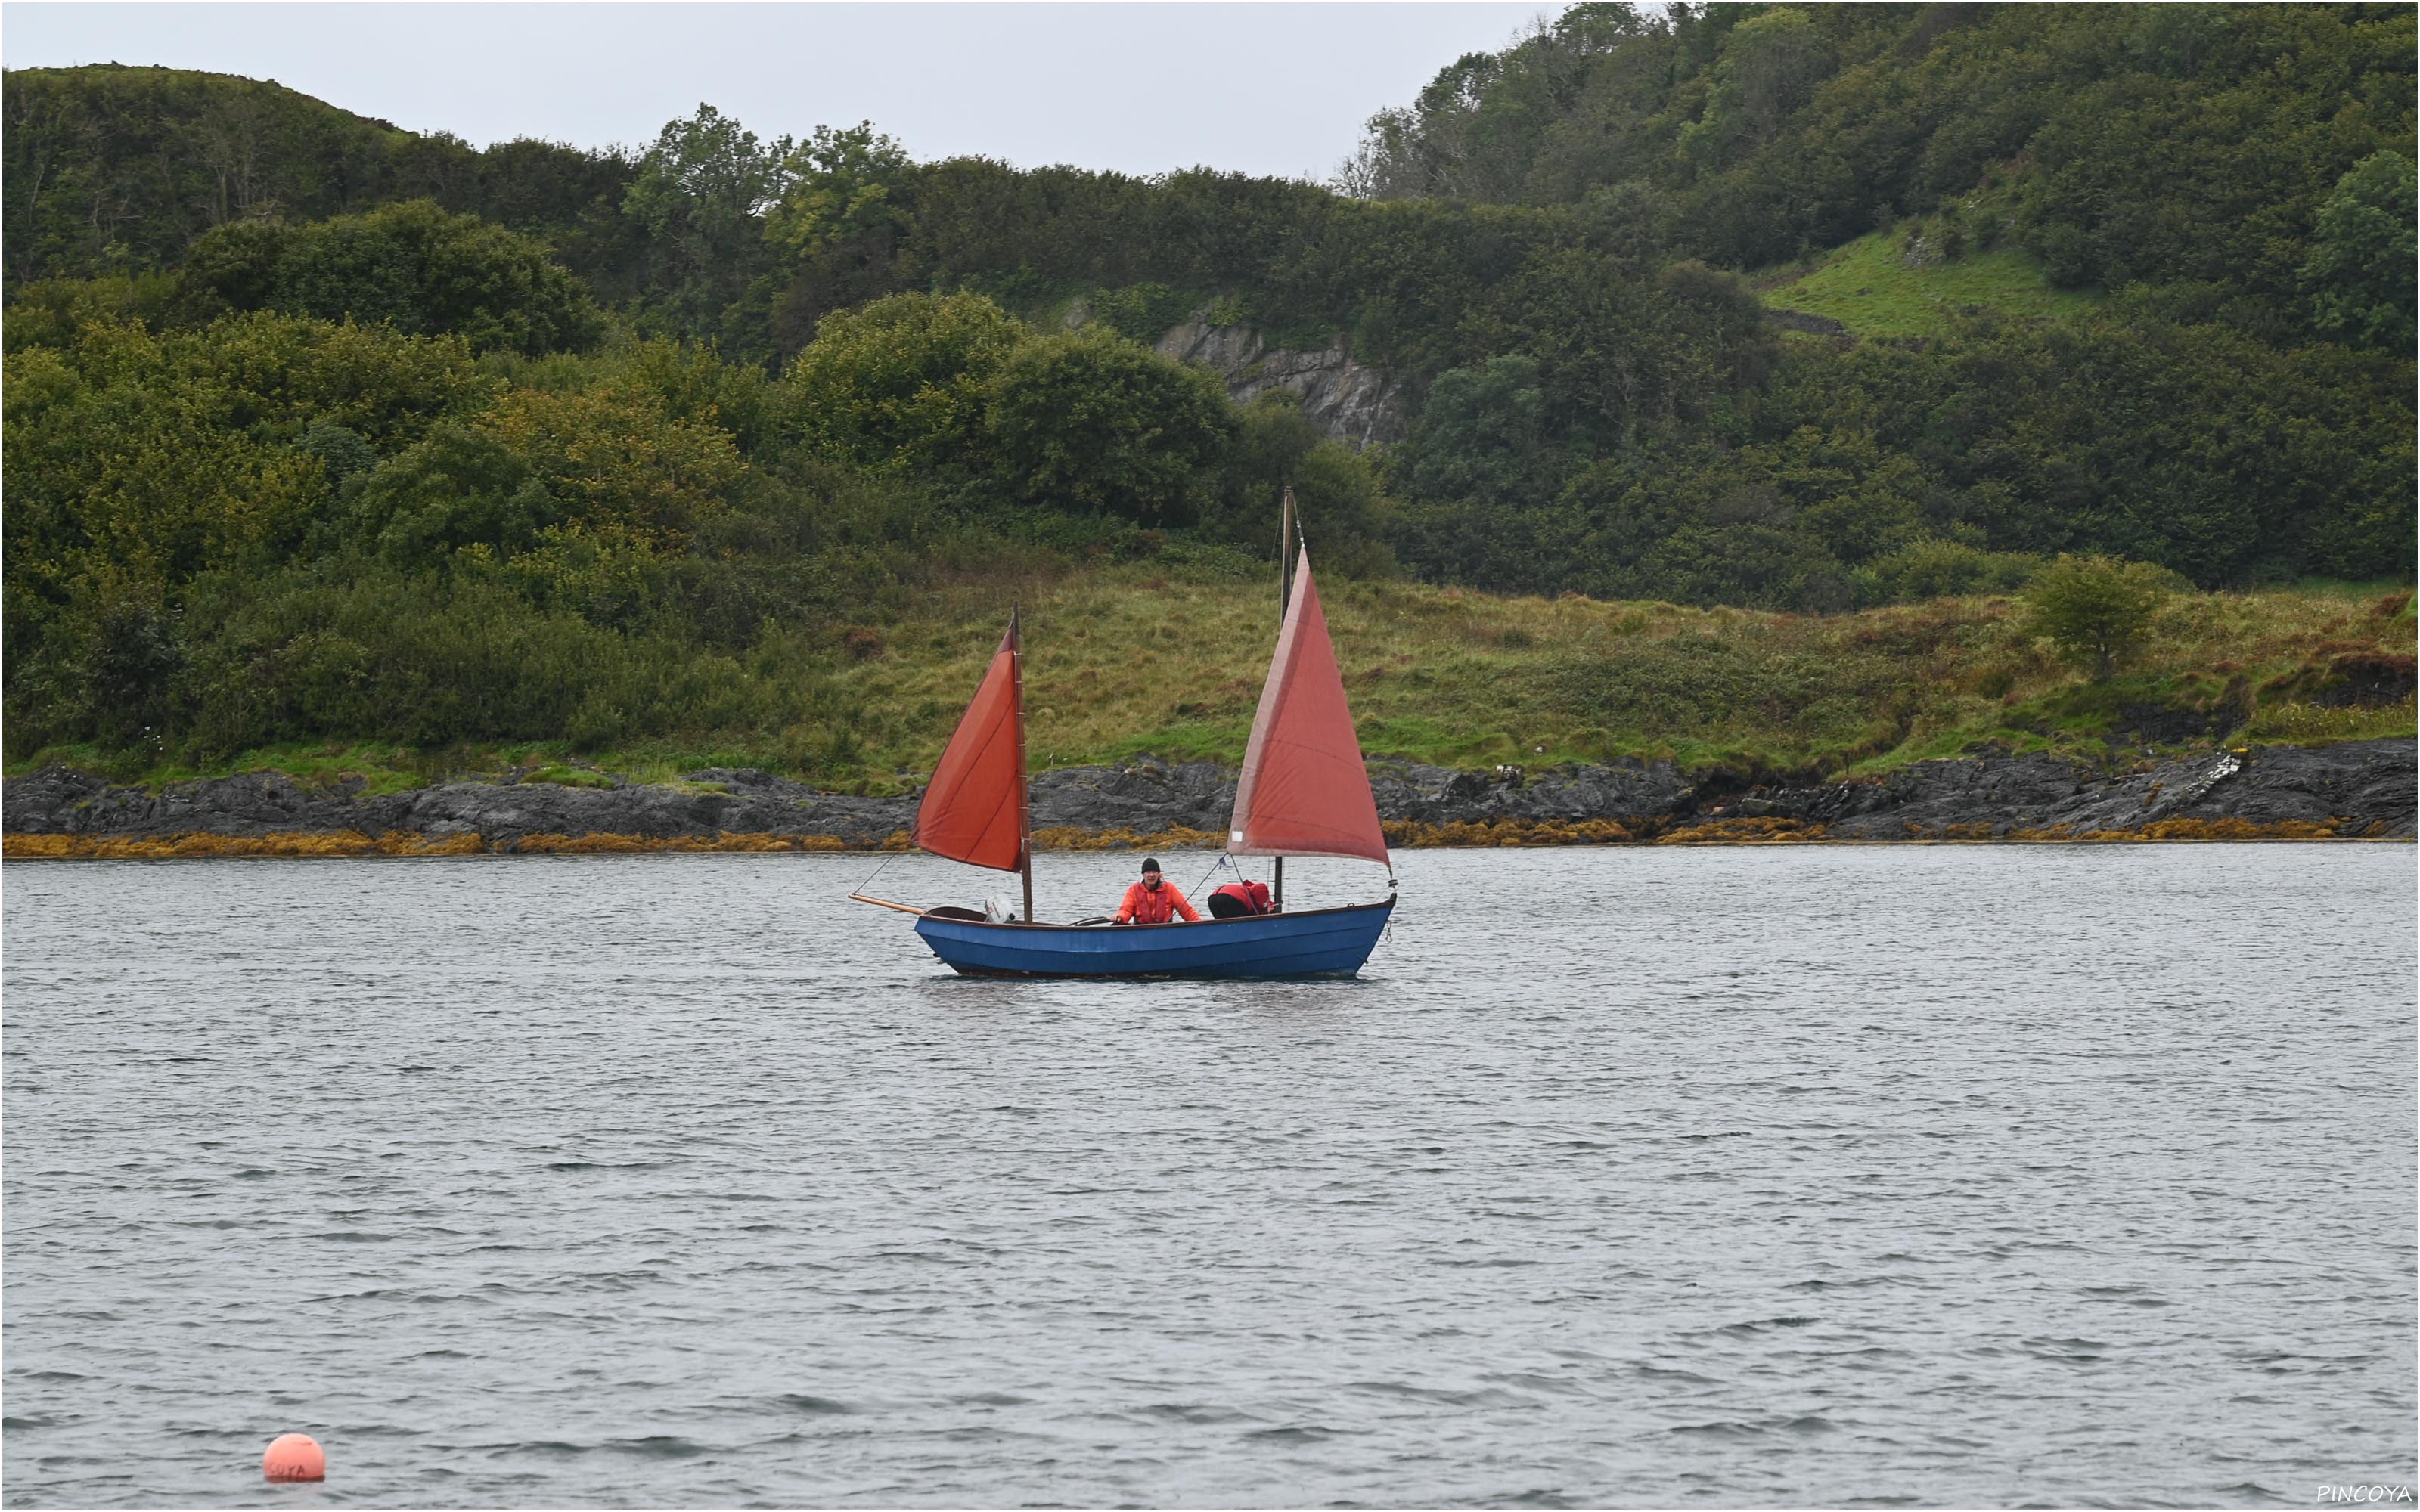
(933, 914)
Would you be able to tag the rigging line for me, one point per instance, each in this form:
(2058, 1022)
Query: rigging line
(888, 857)
(1212, 872)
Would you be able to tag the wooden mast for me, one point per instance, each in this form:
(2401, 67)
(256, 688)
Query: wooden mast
(1024, 801)
(1285, 599)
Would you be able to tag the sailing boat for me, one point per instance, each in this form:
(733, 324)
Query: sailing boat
(1303, 792)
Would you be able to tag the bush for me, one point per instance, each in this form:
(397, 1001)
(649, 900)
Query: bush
(1934, 568)
(1342, 514)
(2098, 607)
(900, 383)
(410, 266)
(50, 313)
(1088, 421)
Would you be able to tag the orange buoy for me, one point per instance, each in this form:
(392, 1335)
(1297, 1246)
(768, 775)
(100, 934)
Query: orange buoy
(294, 1457)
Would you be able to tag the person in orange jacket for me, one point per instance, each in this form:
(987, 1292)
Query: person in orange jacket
(1239, 899)
(1154, 900)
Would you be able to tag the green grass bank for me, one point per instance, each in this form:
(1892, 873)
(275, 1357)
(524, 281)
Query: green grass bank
(1154, 658)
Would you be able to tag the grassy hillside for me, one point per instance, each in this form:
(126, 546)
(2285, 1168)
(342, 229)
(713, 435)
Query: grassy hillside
(1150, 659)
(1878, 285)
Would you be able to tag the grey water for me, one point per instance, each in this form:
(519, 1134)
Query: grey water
(1749, 1177)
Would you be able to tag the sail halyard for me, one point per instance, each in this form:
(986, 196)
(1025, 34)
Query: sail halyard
(1024, 786)
(1304, 789)
(974, 808)
(1286, 601)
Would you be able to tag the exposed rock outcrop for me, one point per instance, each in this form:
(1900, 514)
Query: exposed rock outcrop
(2359, 788)
(2365, 787)
(1354, 404)
(1813, 324)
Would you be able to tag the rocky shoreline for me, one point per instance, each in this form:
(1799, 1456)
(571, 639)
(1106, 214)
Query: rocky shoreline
(2357, 790)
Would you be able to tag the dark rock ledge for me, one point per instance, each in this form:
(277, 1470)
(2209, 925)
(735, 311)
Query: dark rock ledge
(2359, 788)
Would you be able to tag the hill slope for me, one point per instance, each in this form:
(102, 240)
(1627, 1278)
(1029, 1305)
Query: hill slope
(275, 478)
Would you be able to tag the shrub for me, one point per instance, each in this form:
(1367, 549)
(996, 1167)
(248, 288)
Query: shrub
(1088, 421)
(1931, 568)
(899, 383)
(2096, 606)
(411, 266)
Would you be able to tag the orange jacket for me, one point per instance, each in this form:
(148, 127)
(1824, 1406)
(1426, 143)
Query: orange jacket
(1142, 905)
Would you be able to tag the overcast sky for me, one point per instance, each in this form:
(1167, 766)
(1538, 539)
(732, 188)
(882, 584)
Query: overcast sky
(1263, 88)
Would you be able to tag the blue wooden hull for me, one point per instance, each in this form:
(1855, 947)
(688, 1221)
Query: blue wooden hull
(1323, 942)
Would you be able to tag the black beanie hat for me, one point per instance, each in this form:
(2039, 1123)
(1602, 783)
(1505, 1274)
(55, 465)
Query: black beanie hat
(1151, 863)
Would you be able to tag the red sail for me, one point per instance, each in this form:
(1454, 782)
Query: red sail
(972, 812)
(1303, 791)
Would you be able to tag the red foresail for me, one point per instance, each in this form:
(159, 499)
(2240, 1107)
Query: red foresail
(973, 811)
(1303, 791)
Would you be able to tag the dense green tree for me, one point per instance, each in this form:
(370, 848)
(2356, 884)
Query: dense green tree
(49, 313)
(273, 528)
(902, 383)
(411, 266)
(112, 169)
(701, 193)
(695, 385)
(838, 224)
(456, 487)
(618, 462)
(1481, 435)
(2150, 142)
(1479, 472)
(167, 455)
(1085, 420)
(1342, 511)
(2359, 275)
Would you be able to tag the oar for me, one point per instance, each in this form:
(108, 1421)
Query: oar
(884, 903)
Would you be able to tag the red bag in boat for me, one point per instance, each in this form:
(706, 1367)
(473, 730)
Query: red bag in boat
(1249, 897)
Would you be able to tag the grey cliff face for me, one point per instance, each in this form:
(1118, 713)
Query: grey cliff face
(2358, 788)
(1354, 404)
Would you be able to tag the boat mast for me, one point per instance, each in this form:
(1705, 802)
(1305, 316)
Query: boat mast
(1285, 599)
(1024, 802)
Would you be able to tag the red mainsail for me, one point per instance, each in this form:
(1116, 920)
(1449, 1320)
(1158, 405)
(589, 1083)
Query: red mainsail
(974, 809)
(1303, 791)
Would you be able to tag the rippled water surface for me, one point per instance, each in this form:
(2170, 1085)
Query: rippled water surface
(1812, 1176)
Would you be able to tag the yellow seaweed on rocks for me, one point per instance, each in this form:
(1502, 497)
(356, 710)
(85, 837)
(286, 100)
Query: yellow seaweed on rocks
(1175, 838)
(402, 844)
(723, 843)
(2235, 829)
(288, 843)
(1466, 834)
(1745, 831)
(547, 845)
